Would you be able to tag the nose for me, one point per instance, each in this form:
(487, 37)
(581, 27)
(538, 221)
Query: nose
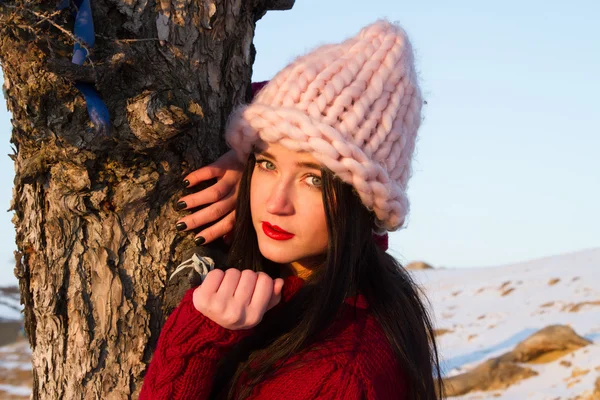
(280, 200)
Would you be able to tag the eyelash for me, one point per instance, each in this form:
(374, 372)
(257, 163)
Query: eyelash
(260, 163)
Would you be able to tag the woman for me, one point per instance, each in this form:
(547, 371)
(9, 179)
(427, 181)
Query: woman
(311, 307)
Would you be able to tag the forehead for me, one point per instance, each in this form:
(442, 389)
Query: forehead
(283, 154)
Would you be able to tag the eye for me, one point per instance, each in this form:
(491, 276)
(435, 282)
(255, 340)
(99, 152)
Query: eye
(314, 180)
(266, 165)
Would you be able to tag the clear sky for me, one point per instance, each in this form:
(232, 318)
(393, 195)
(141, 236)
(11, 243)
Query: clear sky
(507, 166)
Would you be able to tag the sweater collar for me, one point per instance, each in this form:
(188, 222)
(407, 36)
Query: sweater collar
(293, 283)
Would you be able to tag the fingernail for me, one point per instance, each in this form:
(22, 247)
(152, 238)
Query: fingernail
(199, 241)
(181, 226)
(181, 205)
(186, 183)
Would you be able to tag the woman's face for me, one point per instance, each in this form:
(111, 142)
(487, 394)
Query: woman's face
(287, 206)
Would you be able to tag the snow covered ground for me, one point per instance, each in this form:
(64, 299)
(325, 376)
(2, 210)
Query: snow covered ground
(15, 371)
(15, 356)
(10, 307)
(487, 311)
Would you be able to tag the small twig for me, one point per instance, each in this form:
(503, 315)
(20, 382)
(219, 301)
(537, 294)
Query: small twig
(127, 40)
(27, 28)
(46, 18)
(137, 40)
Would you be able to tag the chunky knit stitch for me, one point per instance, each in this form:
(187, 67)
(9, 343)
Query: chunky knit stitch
(355, 106)
(353, 360)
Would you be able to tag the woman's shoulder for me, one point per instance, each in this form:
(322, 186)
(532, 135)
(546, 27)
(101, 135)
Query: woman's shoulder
(356, 343)
(375, 361)
(362, 334)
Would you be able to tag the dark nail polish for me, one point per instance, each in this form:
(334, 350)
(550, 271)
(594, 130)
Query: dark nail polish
(181, 205)
(199, 241)
(186, 183)
(181, 226)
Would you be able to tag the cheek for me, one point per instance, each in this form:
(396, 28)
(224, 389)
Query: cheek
(256, 194)
(324, 235)
(315, 222)
(321, 220)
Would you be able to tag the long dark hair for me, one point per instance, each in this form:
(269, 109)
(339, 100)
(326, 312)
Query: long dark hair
(354, 263)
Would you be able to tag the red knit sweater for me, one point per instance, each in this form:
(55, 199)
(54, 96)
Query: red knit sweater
(353, 361)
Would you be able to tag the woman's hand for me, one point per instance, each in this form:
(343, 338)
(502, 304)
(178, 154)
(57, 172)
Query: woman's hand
(223, 194)
(237, 299)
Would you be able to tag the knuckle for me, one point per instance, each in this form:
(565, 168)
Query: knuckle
(254, 319)
(216, 212)
(215, 308)
(229, 224)
(264, 277)
(209, 234)
(248, 273)
(216, 273)
(232, 316)
(233, 272)
(231, 200)
(199, 299)
(216, 195)
(192, 220)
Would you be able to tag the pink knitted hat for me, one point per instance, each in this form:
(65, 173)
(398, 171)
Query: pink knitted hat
(354, 106)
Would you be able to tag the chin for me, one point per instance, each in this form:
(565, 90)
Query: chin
(277, 252)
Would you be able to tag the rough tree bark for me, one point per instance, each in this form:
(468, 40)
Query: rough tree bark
(94, 214)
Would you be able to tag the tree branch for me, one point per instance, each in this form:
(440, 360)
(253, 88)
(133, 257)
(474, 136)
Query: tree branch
(262, 6)
(279, 5)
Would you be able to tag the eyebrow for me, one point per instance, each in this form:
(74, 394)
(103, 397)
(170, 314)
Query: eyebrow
(299, 163)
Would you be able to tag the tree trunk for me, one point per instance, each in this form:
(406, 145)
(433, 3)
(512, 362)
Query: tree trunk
(94, 209)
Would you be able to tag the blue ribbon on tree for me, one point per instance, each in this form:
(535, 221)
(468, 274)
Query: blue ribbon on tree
(84, 32)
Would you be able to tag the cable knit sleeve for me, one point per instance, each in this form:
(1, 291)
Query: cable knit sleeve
(189, 347)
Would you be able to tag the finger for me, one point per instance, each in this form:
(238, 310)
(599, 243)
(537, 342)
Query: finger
(229, 284)
(205, 173)
(227, 161)
(220, 229)
(262, 293)
(277, 292)
(209, 214)
(245, 287)
(212, 281)
(211, 194)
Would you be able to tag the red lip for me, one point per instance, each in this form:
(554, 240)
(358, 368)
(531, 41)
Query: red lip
(275, 232)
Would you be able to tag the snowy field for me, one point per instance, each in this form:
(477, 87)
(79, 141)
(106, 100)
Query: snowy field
(15, 371)
(15, 355)
(485, 312)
